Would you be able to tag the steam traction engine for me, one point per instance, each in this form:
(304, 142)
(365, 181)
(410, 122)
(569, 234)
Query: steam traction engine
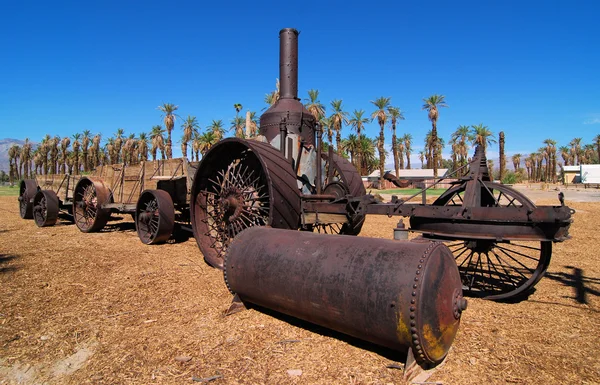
(501, 241)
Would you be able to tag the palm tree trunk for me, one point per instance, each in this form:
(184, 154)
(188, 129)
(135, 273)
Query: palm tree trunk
(408, 160)
(502, 159)
(381, 149)
(434, 140)
(395, 151)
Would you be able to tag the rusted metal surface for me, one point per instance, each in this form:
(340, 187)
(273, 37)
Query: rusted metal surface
(288, 109)
(401, 295)
(154, 216)
(240, 184)
(45, 208)
(89, 196)
(27, 190)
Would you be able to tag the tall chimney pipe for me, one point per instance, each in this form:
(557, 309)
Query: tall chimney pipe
(288, 63)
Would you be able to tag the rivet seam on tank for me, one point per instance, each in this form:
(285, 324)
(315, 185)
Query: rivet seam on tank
(420, 355)
(225, 263)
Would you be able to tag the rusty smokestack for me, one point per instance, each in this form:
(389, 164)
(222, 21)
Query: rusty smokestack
(288, 63)
(288, 110)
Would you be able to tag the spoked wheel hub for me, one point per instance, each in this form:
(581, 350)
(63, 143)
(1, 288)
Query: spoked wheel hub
(240, 184)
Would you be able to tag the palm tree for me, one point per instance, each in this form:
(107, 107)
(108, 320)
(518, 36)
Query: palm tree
(54, 154)
(407, 148)
(565, 154)
(516, 159)
(395, 114)
(338, 118)
(251, 124)
(597, 144)
(422, 158)
(400, 146)
(491, 168)
(158, 141)
(237, 125)
(576, 150)
(169, 116)
(382, 104)
(502, 159)
(207, 140)
(551, 160)
(314, 106)
(432, 104)
(76, 147)
(351, 146)
(238, 107)
(367, 150)
(26, 157)
(454, 155)
(217, 129)
(326, 126)
(96, 156)
(142, 145)
(272, 97)
(85, 144)
(129, 150)
(461, 136)
(118, 144)
(44, 150)
(190, 127)
(357, 121)
(110, 149)
(196, 146)
(64, 145)
(482, 136)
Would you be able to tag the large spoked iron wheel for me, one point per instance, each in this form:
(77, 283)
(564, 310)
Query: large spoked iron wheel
(340, 178)
(500, 270)
(45, 208)
(240, 184)
(492, 269)
(88, 198)
(154, 216)
(27, 190)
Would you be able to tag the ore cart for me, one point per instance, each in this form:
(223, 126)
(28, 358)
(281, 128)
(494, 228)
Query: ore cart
(154, 193)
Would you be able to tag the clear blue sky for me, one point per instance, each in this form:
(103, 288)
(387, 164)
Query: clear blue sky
(527, 68)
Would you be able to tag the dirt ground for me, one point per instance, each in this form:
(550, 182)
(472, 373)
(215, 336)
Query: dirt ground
(105, 309)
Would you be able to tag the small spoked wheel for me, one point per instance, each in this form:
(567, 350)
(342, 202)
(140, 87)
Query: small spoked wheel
(154, 216)
(88, 198)
(340, 178)
(500, 270)
(45, 208)
(27, 190)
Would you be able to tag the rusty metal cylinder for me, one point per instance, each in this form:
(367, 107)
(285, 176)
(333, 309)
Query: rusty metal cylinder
(288, 63)
(397, 294)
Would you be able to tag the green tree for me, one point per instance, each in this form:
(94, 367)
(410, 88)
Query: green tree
(338, 118)
(190, 126)
(482, 136)
(395, 114)
(169, 116)
(432, 105)
(382, 104)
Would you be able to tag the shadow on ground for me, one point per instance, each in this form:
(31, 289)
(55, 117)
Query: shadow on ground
(5, 263)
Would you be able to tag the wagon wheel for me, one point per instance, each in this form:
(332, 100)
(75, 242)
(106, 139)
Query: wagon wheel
(154, 216)
(45, 208)
(498, 270)
(240, 184)
(341, 178)
(88, 198)
(27, 190)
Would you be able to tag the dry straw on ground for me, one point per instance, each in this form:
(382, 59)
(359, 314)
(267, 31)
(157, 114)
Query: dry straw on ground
(103, 308)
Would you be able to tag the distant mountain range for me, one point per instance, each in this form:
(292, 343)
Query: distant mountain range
(5, 144)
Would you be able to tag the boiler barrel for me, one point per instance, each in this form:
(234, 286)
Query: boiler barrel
(398, 294)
